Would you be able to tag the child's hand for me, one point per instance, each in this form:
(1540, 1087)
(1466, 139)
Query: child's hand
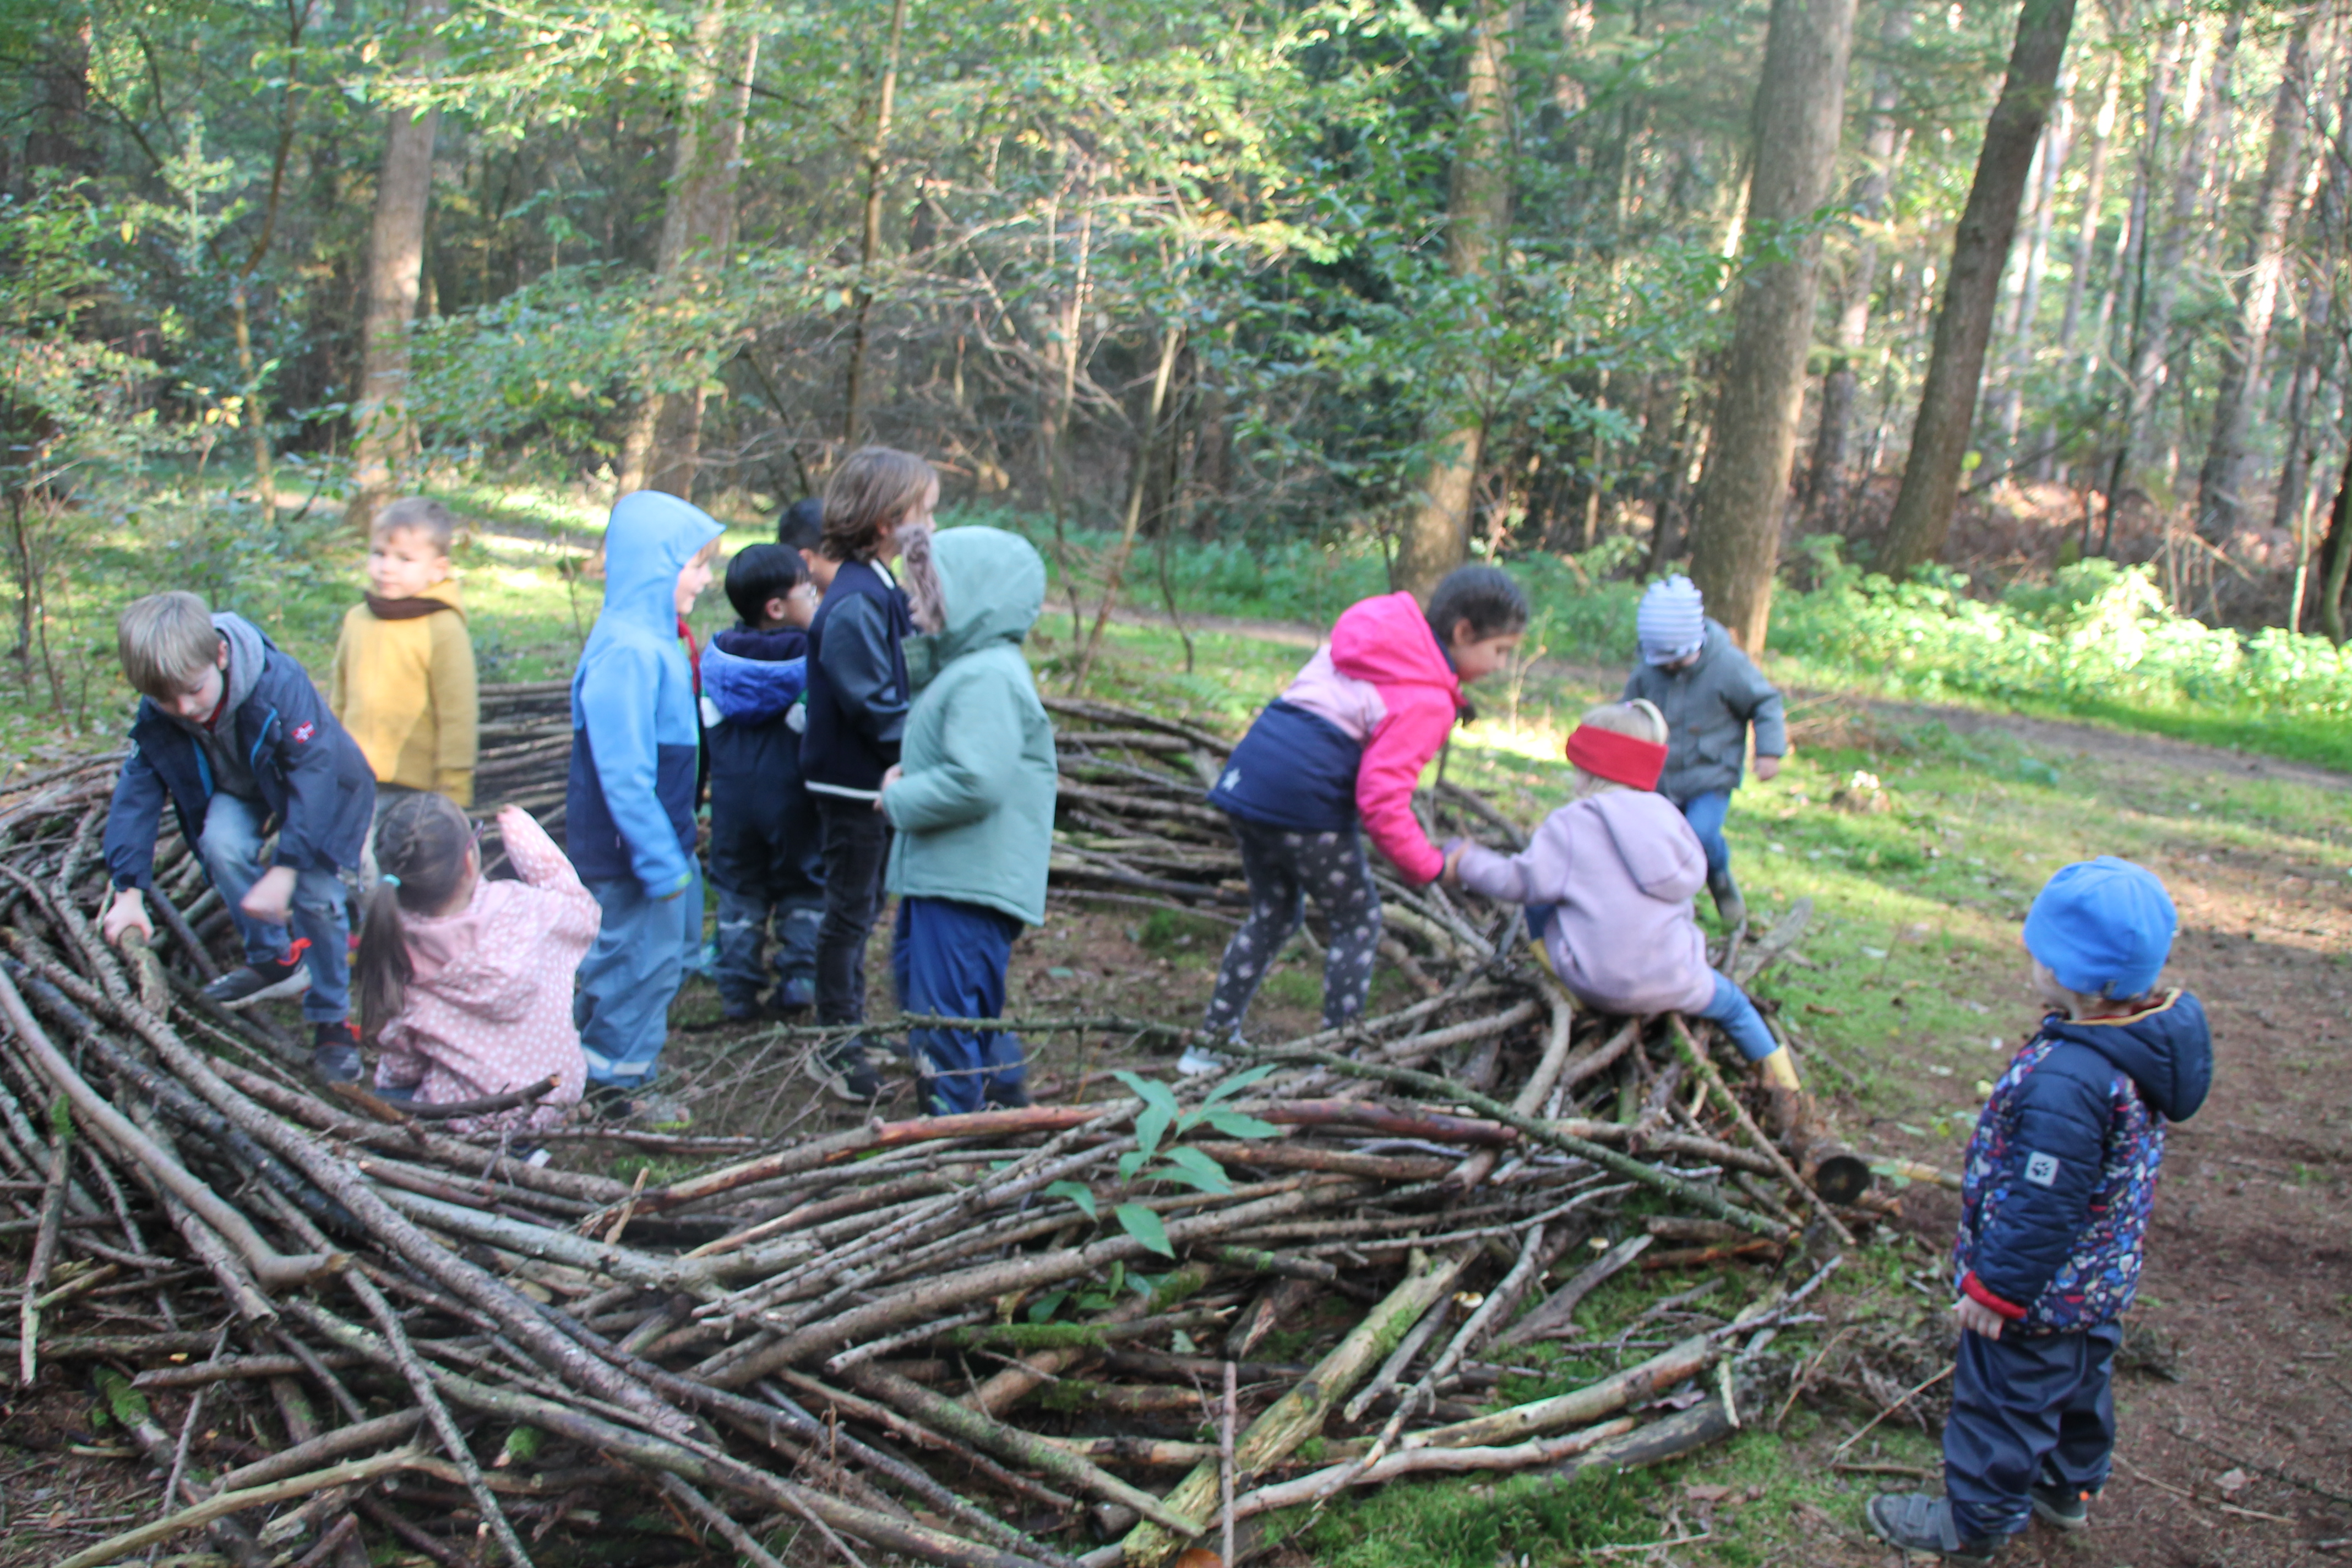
(1452, 875)
(271, 900)
(127, 913)
(1978, 1319)
(890, 775)
(1766, 767)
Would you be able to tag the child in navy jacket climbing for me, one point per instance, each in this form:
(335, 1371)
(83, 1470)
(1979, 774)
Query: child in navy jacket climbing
(859, 692)
(1345, 742)
(2060, 1183)
(231, 732)
(764, 831)
(628, 819)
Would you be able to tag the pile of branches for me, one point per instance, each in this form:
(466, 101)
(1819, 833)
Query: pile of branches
(1022, 1337)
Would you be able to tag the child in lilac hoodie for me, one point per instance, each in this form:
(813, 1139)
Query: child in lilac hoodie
(1610, 878)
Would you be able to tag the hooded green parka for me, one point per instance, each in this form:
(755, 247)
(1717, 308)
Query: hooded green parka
(974, 804)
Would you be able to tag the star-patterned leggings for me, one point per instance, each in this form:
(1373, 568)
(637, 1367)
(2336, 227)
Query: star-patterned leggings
(1284, 868)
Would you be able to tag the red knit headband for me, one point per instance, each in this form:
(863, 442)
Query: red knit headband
(1620, 759)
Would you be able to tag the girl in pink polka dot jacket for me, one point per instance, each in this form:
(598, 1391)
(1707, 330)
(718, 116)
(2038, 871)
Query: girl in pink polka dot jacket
(464, 983)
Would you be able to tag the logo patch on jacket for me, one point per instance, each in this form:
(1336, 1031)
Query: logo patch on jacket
(1232, 781)
(303, 731)
(2042, 1170)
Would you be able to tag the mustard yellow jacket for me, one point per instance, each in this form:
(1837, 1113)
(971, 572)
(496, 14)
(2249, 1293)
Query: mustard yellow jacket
(403, 687)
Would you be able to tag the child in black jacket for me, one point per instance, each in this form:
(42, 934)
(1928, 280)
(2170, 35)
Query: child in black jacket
(859, 692)
(764, 857)
(232, 732)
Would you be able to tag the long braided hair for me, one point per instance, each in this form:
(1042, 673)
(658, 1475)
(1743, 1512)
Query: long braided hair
(420, 852)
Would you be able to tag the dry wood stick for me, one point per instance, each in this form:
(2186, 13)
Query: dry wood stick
(1299, 1413)
(1520, 1422)
(45, 1248)
(1691, 1193)
(1705, 1067)
(1554, 1312)
(326, 1446)
(163, 1530)
(1226, 1463)
(271, 1268)
(734, 1534)
(1418, 1461)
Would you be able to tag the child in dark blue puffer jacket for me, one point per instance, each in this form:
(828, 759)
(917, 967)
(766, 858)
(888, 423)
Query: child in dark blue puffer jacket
(2054, 1209)
(764, 849)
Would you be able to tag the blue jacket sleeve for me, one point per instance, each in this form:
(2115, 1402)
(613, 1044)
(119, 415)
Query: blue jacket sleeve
(617, 707)
(2053, 1166)
(857, 660)
(132, 821)
(305, 744)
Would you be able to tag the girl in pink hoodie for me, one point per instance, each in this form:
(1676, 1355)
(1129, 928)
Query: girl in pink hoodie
(466, 984)
(1347, 740)
(1609, 879)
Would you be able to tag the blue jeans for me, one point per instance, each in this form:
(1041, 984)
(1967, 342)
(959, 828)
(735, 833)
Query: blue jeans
(1740, 1020)
(949, 958)
(626, 983)
(2027, 1407)
(230, 846)
(1705, 813)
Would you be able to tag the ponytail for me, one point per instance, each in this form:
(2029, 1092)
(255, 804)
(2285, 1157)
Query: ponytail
(420, 847)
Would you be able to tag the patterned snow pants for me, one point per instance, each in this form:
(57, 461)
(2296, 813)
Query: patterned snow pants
(1284, 869)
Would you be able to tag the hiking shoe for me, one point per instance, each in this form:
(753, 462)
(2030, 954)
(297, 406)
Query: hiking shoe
(1005, 1096)
(1910, 1522)
(281, 977)
(1199, 1061)
(1729, 907)
(2063, 1507)
(846, 1074)
(739, 1012)
(335, 1051)
(791, 996)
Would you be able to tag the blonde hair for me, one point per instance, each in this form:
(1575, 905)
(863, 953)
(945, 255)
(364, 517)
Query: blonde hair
(422, 513)
(874, 489)
(1640, 719)
(165, 641)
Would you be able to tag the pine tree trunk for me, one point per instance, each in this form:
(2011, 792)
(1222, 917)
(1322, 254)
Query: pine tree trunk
(2221, 505)
(1800, 107)
(869, 244)
(1833, 430)
(2335, 557)
(1939, 436)
(2094, 190)
(1436, 530)
(381, 435)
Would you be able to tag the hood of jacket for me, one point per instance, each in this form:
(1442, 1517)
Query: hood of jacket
(648, 541)
(752, 676)
(248, 650)
(2167, 1051)
(1387, 641)
(1640, 825)
(991, 590)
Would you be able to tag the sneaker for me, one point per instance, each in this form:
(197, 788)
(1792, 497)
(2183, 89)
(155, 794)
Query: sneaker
(846, 1074)
(1910, 1522)
(1729, 907)
(1198, 1061)
(282, 977)
(335, 1051)
(2063, 1507)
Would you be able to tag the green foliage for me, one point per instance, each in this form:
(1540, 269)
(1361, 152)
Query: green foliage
(1468, 1523)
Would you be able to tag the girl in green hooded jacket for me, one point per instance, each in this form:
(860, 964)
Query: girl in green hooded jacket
(971, 799)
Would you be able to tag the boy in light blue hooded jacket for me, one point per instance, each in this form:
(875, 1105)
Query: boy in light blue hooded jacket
(629, 802)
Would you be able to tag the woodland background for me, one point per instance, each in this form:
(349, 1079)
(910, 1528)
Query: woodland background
(2007, 342)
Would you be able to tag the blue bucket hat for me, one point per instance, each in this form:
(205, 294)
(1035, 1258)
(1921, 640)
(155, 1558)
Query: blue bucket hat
(2103, 927)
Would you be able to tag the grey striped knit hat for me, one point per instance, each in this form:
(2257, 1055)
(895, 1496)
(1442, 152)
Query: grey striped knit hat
(1671, 622)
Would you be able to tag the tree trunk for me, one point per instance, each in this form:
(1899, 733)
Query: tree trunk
(699, 222)
(1478, 215)
(2162, 248)
(1800, 107)
(1939, 436)
(1825, 474)
(2335, 557)
(2095, 189)
(2221, 508)
(2057, 140)
(869, 244)
(403, 193)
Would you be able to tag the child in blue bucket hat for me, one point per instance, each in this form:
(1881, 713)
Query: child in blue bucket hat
(2055, 1202)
